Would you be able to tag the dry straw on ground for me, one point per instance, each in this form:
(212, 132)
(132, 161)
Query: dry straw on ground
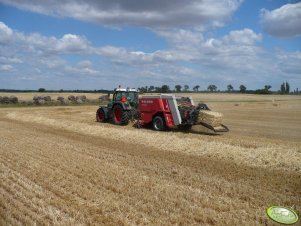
(60, 167)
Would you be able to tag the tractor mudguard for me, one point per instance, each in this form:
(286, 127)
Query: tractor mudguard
(121, 104)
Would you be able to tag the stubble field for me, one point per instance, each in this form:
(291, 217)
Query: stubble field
(60, 167)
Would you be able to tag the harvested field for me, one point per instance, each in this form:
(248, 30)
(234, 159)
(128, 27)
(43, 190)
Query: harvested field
(59, 167)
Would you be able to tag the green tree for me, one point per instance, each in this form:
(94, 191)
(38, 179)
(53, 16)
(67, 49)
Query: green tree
(196, 88)
(178, 88)
(230, 88)
(242, 88)
(212, 88)
(267, 87)
(186, 88)
(165, 89)
(151, 88)
(41, 89)
(287, 87)
(158, 89)
(142, 90)
(282, 88)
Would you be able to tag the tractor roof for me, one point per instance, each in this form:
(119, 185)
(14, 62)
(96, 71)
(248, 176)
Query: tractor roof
(126, 89)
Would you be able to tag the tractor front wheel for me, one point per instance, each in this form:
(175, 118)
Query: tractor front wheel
(159, 123)
(100, 115)
(120, 116)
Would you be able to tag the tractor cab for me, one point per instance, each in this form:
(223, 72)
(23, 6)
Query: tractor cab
(129, 97)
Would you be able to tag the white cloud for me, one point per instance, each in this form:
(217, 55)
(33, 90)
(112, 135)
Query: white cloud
(282, 22)
(71, 43)
(43, 45)
(11, 60)
(192, 46)
(190, 58)
(289, 62)
(243, 37)
(52, 62)
(181, 38)
(6, 67)
(155, 13)
(84, 67)
(84, 64)
(76, 70)
(5, 33)
(110, 51)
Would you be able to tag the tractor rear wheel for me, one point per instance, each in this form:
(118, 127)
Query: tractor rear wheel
(159, 123)
(100, 115)
(120, 116)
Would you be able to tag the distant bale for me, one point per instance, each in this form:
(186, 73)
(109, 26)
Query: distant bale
(104, 98)
(13, 99)
(0, 99)
(36, 99)
(61, 100)
(23, 102)
(47, 98)
(39, 100)
(72, 98)
(236, 105)
(5, 100)
(81, 99)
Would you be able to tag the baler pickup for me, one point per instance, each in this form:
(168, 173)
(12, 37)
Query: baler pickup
(218, 129)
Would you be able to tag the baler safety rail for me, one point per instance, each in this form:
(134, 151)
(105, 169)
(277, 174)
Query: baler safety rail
(221, 128)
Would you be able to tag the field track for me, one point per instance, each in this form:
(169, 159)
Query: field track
(59, 167)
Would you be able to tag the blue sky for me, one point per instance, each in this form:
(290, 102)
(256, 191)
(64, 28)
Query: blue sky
(99, 44)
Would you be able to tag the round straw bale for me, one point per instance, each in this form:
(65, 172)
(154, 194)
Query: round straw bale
(47, 98)
(5, 100)
(13, 99)
(71, 98)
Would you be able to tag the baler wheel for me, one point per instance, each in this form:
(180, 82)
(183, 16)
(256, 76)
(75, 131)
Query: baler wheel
(120, 116)
(159, 123)
(100, 115)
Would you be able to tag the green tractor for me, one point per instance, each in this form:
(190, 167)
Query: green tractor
(122, 108)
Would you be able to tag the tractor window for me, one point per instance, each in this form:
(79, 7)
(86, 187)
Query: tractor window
(118, 96)
(132, 96)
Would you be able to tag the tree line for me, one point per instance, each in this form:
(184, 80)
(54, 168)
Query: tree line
(284, 89)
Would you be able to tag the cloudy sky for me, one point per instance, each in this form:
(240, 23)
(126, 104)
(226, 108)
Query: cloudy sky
(99, 44)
